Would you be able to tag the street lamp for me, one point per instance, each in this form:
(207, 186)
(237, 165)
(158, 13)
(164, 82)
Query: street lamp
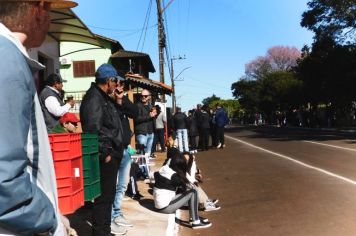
(173, 79)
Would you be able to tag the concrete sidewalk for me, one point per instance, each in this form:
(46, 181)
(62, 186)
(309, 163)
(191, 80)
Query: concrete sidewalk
(142, 214)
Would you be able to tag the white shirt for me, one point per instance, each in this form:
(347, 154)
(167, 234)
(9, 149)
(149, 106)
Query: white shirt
(54, 107)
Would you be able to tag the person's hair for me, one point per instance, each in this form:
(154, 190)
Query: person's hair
(12, 14)
(179, 165)
(179, 109)
(101, 81)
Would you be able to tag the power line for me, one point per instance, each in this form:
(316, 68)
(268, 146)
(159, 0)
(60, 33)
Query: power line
(112, 29)
(144, 28)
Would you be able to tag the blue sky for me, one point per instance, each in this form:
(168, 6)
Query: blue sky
(217, 37)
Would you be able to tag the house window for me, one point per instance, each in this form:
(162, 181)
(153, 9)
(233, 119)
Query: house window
(84, 68)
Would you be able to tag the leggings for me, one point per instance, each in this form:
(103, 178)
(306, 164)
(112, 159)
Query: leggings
(190, 197)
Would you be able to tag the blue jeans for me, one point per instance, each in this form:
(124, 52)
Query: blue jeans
(123, 177)
(147, 140)
(182, 135)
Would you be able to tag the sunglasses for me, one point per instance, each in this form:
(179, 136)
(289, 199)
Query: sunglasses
(145, 96)
(113, 80)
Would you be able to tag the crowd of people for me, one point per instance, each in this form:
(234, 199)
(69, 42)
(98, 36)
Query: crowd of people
(27, 176)
(202, 129)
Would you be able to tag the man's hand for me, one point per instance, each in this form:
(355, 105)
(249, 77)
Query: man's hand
(107, 159)
(71, 103)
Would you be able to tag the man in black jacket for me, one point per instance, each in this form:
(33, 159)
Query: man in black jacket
(144, 122)
(180, 126)
(99, 114)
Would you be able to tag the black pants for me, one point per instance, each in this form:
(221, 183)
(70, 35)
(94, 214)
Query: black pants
(101, 213)
(205, 139)
(193, 142)
(158, 137)
(220, 131)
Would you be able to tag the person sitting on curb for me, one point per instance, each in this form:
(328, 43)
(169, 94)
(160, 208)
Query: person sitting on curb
(195, 177)
(168, 180)
(67, 124)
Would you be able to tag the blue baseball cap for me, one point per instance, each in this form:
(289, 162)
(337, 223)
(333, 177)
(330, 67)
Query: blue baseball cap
(106, 71)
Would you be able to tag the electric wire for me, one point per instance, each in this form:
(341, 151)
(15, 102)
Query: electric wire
(144, 28)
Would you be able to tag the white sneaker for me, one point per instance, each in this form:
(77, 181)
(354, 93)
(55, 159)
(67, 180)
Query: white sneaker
(117, 229)
(122, 221)
(211, 207)
(214, 201)
(219, 145)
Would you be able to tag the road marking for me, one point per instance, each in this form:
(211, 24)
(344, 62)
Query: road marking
(329, 145)
(295, 161)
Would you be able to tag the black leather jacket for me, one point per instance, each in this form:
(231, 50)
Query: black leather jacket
(143, 121)
(179, 121)
(99, 114)
(129, 110)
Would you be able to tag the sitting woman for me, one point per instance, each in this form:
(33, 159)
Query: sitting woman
(195, 178)
(168, 180)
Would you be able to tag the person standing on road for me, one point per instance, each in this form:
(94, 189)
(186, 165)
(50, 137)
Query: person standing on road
(51, 101)
(192, 131)
(99, 114)
(129, 110)
(180, 126)
(221, 120)
(205, 128)
(28, 194)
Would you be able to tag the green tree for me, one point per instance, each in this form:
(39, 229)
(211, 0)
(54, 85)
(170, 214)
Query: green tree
(207, 101)
(247, 93)
(331, 19)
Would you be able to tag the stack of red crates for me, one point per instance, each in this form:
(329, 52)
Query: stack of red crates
(67, 156)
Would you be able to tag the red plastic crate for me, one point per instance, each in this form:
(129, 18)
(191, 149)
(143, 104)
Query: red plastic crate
(69, 175)
(70, 203)
(65, 146)
(75, 147)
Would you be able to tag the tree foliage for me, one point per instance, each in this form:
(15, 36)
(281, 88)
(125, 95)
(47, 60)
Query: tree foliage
(278, 58)
(232, 106)
(334, 19)
(207, 101)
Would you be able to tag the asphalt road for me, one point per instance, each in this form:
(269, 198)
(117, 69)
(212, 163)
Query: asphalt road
(277, 181)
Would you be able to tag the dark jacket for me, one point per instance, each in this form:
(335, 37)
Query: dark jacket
(99, 114)
(192, 126)
(129, 110)
(221, 118)
(204, 120)
(50, 119)
(143, 121)
(179, 121)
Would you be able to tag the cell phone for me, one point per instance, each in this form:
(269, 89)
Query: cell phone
(118, 92)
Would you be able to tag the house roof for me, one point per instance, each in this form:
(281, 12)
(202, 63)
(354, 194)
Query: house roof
(149, 84)
(116, 44)
(67, 27)
(146, 60)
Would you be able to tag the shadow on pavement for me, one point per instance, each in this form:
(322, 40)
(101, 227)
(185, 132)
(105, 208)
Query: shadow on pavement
(81, 220)
(148, 204)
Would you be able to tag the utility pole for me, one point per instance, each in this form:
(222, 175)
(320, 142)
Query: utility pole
(161, 41)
